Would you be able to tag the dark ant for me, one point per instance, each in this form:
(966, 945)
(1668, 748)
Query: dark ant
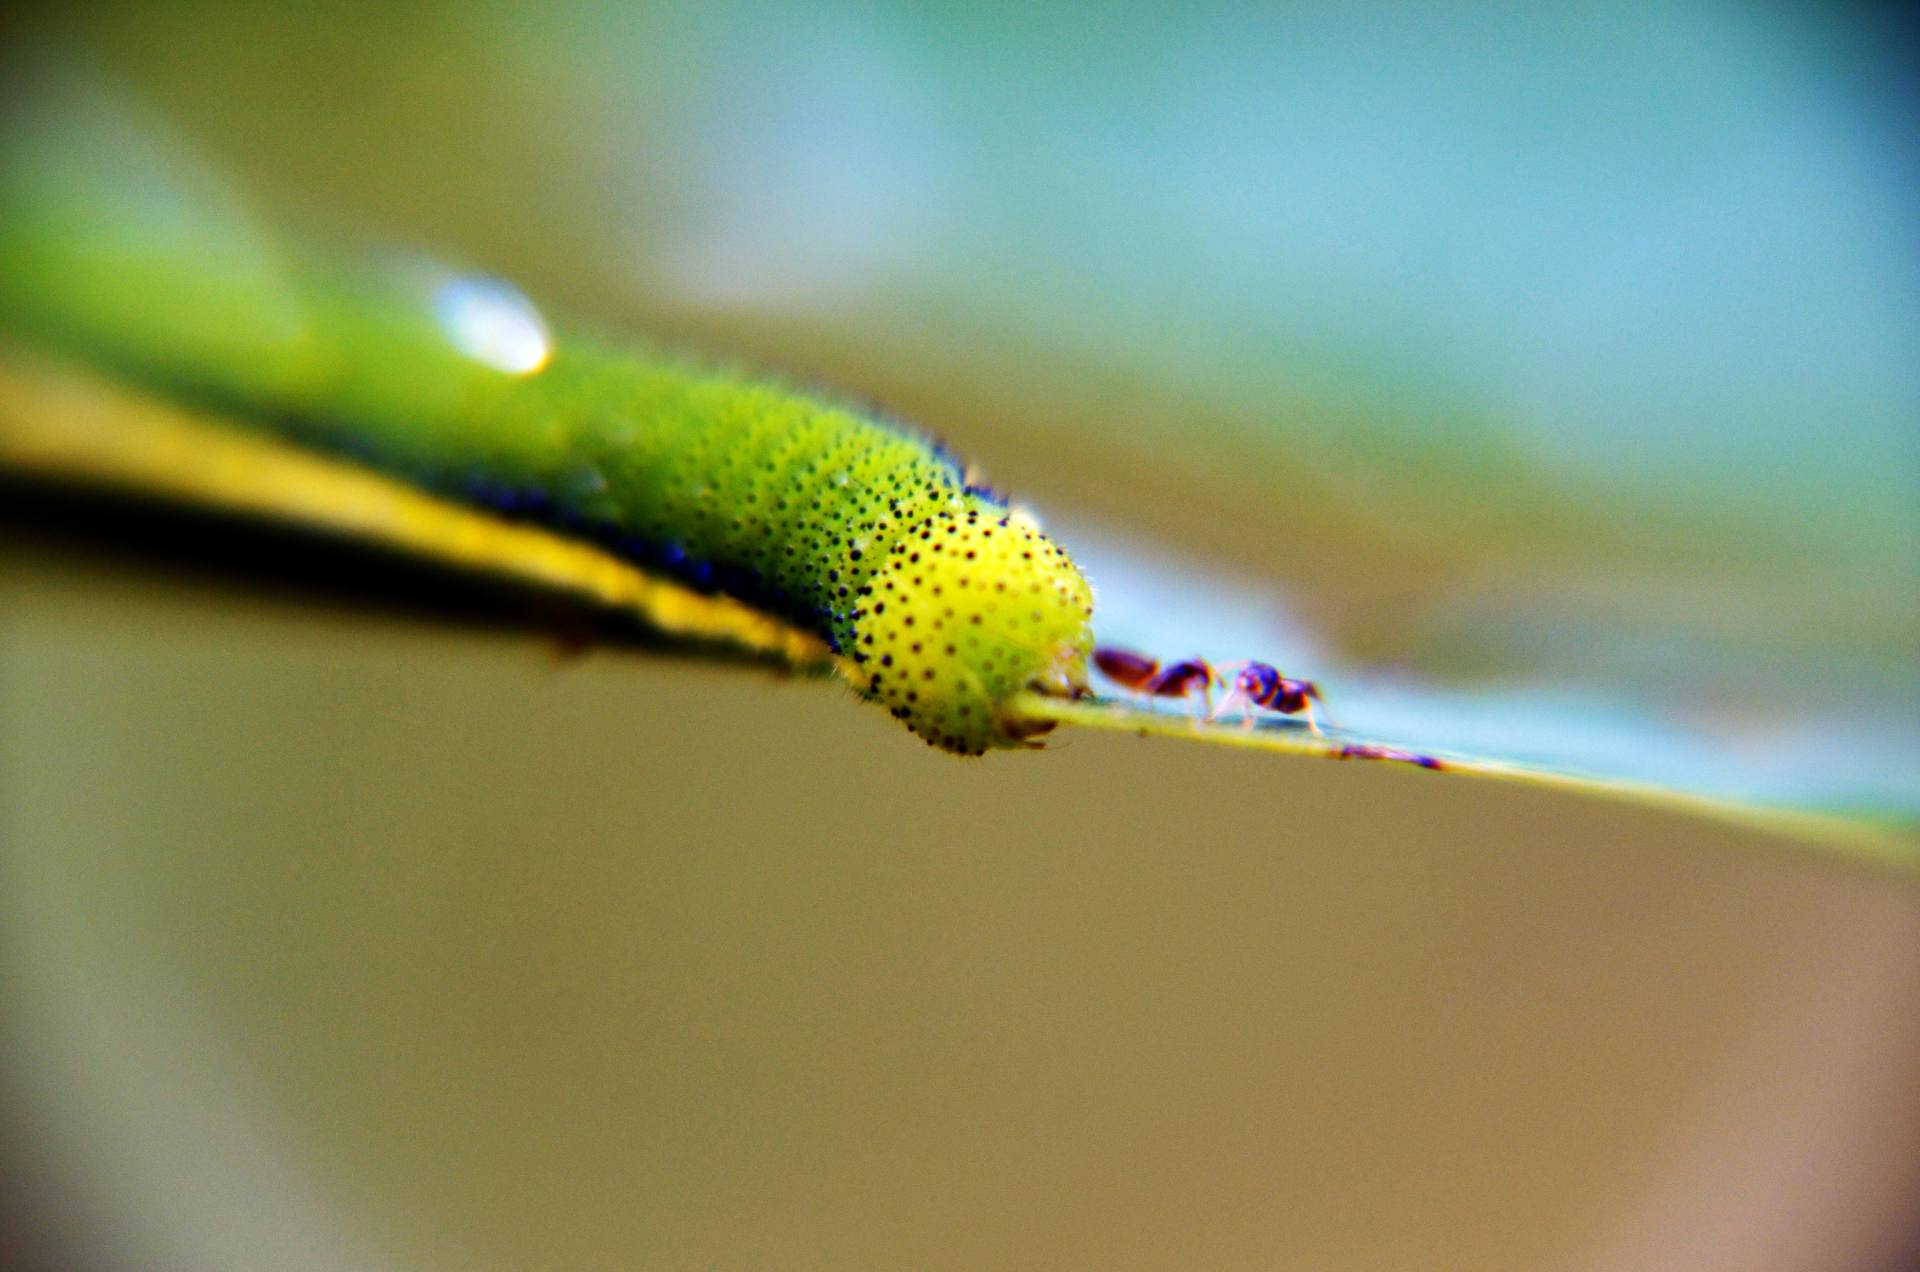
(1256, 684)
(1371, 751)
(1146, 676)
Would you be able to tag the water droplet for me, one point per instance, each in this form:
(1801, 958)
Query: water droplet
(491, 322)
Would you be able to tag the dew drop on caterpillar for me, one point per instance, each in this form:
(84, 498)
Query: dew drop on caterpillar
(943, 603)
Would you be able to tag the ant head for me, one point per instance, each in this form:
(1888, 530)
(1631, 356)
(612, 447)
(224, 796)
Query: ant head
(1258, 679)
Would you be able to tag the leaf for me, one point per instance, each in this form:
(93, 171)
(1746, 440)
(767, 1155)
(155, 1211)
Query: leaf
(59, 422)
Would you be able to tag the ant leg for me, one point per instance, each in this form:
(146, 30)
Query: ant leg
(1234, 697)
(1206, 711)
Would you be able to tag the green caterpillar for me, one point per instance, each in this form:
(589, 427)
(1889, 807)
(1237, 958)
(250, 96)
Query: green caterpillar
(942, 602)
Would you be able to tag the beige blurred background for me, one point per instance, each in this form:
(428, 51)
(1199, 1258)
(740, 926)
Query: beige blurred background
(349, 941)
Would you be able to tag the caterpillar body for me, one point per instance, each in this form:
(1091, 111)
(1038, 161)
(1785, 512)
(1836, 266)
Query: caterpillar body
(943, 602)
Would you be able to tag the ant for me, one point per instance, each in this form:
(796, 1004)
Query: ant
(1256, 684)
(1371, 751)
(1145, 675)
(1249, 684)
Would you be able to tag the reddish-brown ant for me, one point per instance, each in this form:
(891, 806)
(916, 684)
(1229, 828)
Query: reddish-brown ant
(1146, 676)
(1255, 684)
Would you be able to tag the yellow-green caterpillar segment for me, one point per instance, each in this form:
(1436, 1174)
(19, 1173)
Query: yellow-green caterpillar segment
(944, 604)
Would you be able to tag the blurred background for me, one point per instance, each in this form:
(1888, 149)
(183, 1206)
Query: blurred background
(1564, 353)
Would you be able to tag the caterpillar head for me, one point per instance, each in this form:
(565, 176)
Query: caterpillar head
(972, 606)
